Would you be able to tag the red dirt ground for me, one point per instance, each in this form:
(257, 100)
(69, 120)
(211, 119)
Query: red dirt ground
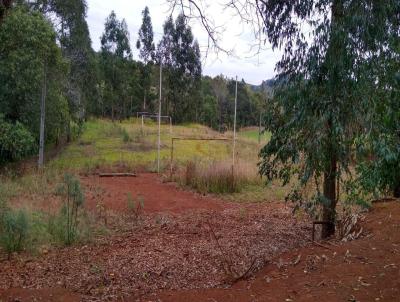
(157, 196)
(173, 257)
(367, 269)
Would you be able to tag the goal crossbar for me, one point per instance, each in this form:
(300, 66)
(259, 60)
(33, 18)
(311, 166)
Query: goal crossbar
(156, 116)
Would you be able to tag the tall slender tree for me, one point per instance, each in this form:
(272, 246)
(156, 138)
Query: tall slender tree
(325, 92)
(116, 52)
(180, 52)
(146, 48)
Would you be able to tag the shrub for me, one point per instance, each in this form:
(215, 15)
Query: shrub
(135, 208)
(16, 142)
(13, 230)
(125, 136)
(64, 227)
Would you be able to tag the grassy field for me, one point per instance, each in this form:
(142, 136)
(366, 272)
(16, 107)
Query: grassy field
(253, 134)
(126, 146)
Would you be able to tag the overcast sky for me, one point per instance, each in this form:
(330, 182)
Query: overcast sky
(253, 69)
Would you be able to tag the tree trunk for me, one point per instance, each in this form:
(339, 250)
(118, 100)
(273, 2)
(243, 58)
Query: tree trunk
(42, 117)
(396, 190)
(330, 173)
(4, 6)
(144, 101)
(328, 210)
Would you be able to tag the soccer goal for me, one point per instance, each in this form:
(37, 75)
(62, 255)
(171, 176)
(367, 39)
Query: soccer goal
(166, 118)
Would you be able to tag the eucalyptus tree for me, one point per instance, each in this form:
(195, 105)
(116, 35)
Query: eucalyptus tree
(116, 52)
(69, 22)
(327, 82)
(380, 165)
(180, 53)
(146, 48)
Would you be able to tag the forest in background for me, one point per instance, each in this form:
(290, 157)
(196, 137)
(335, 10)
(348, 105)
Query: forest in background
(46, 50)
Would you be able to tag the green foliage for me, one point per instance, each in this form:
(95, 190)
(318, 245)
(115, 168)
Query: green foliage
(16, 142)
(65, 226)
(145, 41)
(115, 39)
(125, 136)
(13, 229)
(180, 55)
(326, 87)
(116, 66)
(28, 50)
(218, 100)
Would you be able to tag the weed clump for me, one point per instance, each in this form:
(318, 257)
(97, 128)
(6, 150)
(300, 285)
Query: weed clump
(125, 136)
(135, 208)
(64, 227)
(14, 229)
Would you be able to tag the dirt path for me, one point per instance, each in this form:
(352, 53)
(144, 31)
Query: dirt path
(179, 253)
(157, 196)
(182, 241)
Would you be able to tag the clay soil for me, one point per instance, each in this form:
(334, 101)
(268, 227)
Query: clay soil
(158, 196)
(188, 247)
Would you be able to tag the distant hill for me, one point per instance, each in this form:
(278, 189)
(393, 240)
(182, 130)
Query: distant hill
(266, 86)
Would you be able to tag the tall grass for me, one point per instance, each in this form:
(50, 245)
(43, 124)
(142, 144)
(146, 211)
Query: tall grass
(218, 177)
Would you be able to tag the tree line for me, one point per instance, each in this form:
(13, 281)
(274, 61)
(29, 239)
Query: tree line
(45, 47)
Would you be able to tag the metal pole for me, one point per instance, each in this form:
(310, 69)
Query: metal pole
(234, 130)
(172, 158)
(159, 123)
(259, 131)
(42, 118)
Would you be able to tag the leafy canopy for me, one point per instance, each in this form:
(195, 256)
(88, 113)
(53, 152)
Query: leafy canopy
(326, 85)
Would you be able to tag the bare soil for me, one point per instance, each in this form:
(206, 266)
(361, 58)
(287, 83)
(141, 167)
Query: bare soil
(158, 197)
(188, 247)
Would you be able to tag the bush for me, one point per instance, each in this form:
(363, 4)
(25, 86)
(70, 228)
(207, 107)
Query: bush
(64, 227)
(13, 230)
(16, 142)
(135, 208)
(125, 136)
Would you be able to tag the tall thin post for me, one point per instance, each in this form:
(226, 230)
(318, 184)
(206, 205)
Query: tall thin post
(234, 130)
(159, 123)
(42, 118)
(172, 158)
(259, 131)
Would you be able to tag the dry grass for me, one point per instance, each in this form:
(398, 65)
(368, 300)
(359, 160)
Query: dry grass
(218, 176)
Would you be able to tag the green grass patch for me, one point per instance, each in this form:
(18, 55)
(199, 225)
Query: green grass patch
(252, 134)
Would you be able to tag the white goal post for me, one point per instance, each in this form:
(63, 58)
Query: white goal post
(140, 113)
(156, 117)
